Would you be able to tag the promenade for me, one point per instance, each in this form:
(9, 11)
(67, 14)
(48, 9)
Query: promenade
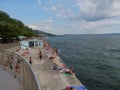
(7, 81)
(48, 78)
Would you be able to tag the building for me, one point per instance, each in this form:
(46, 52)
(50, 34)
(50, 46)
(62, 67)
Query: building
(31, 43)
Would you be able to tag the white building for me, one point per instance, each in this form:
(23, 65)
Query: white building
(31, 43)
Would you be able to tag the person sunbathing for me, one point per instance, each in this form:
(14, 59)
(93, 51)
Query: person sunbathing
(81, 87)
(70, 88)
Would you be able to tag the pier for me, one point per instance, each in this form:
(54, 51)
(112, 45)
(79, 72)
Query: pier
(49, 79)
(40, 75)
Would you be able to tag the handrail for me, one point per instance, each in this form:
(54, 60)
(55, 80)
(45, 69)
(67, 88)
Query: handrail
(36, 80)
(24, 73)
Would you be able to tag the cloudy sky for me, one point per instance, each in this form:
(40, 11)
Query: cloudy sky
(66, 16)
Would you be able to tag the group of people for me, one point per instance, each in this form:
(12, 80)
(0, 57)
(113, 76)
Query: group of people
(60, 66)
(57, 62)
(12, 62)
(30, 58)
(25, 53)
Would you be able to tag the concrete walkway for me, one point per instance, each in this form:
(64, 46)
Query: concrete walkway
(7, 81)
(49, 79)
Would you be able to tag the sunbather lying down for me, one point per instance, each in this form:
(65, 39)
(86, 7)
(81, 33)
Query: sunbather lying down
(81, 87)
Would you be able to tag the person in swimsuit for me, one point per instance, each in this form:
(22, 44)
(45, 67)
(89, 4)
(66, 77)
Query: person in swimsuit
(40, 54)
(30, 60)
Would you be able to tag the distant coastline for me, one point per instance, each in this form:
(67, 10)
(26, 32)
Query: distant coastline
(42, 33)
(89, 34)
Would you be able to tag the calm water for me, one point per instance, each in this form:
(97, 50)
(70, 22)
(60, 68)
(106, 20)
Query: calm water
(95, 59)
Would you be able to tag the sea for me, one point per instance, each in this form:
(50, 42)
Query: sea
(95, 59)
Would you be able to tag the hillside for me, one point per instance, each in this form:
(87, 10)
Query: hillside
(41, 33)
(12, 28)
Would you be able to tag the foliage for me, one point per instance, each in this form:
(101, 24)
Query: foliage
(41, 33)
(10, 27)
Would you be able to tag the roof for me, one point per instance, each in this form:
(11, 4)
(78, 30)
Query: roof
(21, 37)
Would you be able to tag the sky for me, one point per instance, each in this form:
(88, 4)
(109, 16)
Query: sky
(66, 16)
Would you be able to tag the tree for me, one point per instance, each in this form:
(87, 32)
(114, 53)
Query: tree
(10, 27)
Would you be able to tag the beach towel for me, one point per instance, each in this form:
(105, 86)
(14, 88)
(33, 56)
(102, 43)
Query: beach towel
(81, 87)
(66, 74)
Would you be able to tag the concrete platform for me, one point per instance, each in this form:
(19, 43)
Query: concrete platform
(7, 81)
(49, 79)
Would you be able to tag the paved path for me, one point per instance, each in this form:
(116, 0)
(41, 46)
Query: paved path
(49, 79)
(7, 81)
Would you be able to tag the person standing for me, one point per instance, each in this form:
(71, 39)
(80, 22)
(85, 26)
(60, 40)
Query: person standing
(30, 60)
(17, 69)
(40, 54)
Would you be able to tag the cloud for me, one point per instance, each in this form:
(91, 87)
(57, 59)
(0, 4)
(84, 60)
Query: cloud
(60, 15)
(33, 26)
(62, 11)
(50, 28)
(39, 2)
(93, 10)
(83, 15)
(46, 26)
(48, 21)
(81, 27)
(88, 10)
(41, 26)
(65, 13)
(45, 1)
(56, 7)
(84, 25)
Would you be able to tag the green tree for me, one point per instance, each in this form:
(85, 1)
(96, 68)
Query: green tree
(10, 27)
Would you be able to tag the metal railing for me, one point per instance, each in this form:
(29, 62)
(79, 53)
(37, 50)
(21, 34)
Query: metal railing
(20, 68)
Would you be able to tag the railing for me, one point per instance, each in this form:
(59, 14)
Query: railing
(20, 68)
